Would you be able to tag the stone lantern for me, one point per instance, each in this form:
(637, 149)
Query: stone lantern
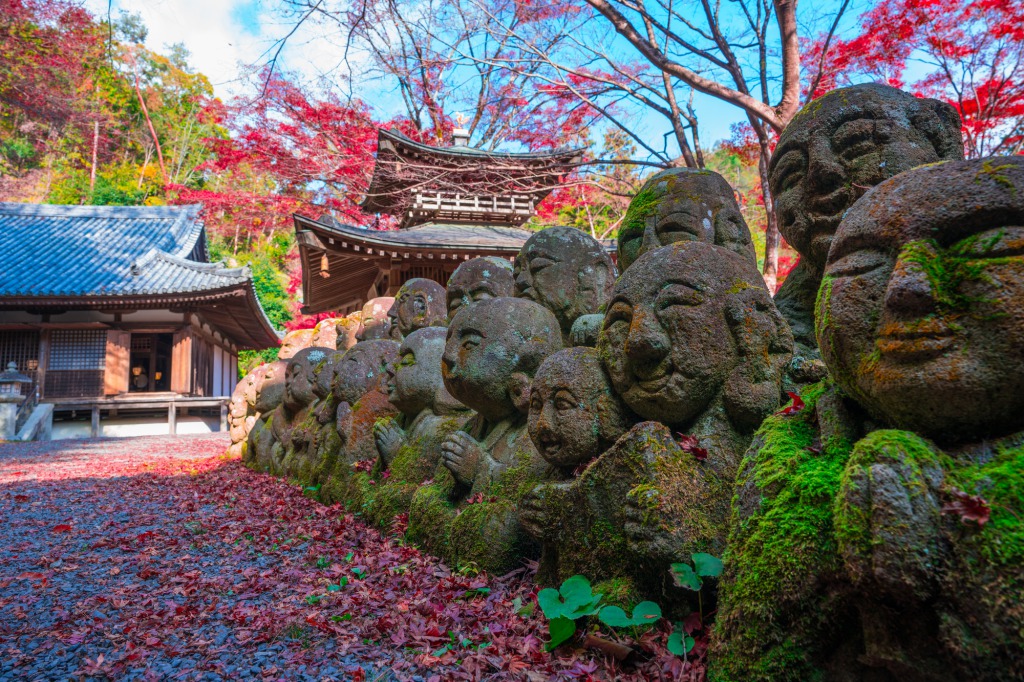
(11, 381)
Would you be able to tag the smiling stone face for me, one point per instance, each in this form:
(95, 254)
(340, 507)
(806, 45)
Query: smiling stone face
(362, 369)
(271, 388)
(683, 204)
(844, 143)
(921, 312)
(492, 350)
(566, 271)
(414, 381)
(301, 378)
(687, 321)
(335, 332)
(479, 279)
(574, 414)
(419, 303)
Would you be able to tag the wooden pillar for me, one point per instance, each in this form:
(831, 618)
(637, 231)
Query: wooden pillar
(94, 430)
(223, 416)
(172, 419)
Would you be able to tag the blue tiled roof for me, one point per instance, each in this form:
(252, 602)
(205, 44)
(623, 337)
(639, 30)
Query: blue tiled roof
(106, 251)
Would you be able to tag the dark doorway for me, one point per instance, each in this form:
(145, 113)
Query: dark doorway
(150, 365)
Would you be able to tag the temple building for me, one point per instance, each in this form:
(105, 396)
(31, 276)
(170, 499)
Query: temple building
(451, 204)
(117, 309)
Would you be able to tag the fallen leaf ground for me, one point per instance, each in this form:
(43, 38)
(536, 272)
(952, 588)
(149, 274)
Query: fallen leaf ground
(158, 558)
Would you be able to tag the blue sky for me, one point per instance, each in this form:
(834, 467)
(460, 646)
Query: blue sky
(226, 35)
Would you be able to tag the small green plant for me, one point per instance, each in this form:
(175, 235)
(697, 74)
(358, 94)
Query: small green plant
(644, 613)
(359, 573)
(342, 582)
(564, 606)
(323, 562)
(691, 578)
(313, 599)
(342, 617)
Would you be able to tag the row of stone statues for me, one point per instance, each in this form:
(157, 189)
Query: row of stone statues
(612, 424)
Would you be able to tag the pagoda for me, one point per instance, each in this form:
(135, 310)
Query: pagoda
(451, 203)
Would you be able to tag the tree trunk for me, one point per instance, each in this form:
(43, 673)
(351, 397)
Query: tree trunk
(771, 230)
(95, 148)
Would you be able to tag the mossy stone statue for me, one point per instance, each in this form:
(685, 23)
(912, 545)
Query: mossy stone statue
(468, 514)
(419, 303)
(567, 271)
(479, 279)
(878, 534)
(679, 205)
(409, 444)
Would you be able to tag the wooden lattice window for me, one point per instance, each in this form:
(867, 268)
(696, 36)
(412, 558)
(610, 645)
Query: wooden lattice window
(77, 349)
(142, 343)
(21, 347)
(77, 361)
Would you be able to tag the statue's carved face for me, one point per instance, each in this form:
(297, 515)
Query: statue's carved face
(573, 411)
(323, 372)
(375, 323)
(414, 378)
(363, 369)
(845, 143)
(492, 349)
(921, 311)
(479, 279)
(566, 271)
(271, 388)
(666, 342)
(683, 204)
(293, 342)
(301, 378)
(420, 303)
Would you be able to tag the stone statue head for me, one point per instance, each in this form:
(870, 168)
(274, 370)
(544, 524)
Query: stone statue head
(300, 378)
(363, 369)
(293, 342)
(575, 414)
(252, 383)
(335, 332)
(420, 303)
(479, 279)
(323, 372)
(921, 311)
(270, 391)
(683, 204)
(565, 270)
(842, 144)
(493, 349)
(689, 324)
(374, 322)
(414, 380)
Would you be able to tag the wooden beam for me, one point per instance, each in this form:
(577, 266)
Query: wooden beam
(172, 419)
(94, 429)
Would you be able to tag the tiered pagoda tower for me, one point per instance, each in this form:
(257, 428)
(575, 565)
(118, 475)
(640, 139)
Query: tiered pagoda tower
(452, 204)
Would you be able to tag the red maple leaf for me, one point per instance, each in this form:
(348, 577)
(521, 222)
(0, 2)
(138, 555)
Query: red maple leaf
(971, 508)
(797, 406)
(61, 528)
(690, 444)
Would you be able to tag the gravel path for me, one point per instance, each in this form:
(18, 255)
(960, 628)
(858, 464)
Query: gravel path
(157, 558)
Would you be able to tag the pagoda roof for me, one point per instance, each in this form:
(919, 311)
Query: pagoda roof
(118, 257)
(356, 257)
(405, 167)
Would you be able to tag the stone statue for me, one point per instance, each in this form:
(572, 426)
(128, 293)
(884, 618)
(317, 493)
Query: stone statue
(692, 341)
(683, 204)
(468, 514)
(293, 342)
(419, 303)
(575, 416)
(853, 547)
(835, 149)
(240, 422)
(565, 270)
(302, 458)
(267, 396)
(374, 322)
(358, 386)
(298, 396)
(479, 279)
(335, 332)
(409, 444)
